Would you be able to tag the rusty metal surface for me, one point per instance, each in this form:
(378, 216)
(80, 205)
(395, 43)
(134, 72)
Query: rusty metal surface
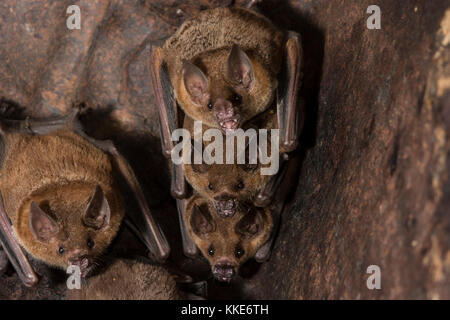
(373, 187)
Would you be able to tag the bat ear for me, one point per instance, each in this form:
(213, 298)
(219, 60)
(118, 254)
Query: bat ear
(201, 221)
(42, 225)
(240, 69)
(98, 212)
(195, 82)
(251, 224)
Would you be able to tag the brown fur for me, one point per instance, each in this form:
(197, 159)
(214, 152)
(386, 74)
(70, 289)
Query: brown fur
(59, 172)
(225, 178)
(206, 41)
(129, 280)
(223, 235)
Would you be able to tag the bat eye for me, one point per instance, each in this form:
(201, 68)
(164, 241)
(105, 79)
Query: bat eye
(61, 250)
(211, 251)
(210, 186)
(237, 99)
(90, 243)
(240, 185)
(210, 106)
(239, 252)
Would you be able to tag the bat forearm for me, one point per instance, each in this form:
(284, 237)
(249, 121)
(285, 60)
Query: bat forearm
(189, 246)
(14, 251)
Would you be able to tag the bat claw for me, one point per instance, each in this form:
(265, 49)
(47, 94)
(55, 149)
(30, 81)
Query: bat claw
(289, 145)
(30, 280)
(262, 200)
(190, 251)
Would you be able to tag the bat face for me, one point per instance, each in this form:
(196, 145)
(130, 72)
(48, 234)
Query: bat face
(69, 225)
(227, 243)
(224, 88)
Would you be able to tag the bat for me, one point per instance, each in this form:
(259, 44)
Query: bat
(227, 242)
(59, 198)
(224, 67)
(129, 280)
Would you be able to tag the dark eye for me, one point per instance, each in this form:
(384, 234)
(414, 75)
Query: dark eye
(211, 251)
(210, 186)
(90, 243)
(210, 105)
(61, 250)
(240, 185)
(237, 99)
(239, 252)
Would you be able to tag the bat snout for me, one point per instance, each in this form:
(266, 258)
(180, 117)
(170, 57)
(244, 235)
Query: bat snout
(226, 205)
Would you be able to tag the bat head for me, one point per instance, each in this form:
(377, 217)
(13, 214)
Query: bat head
(227, 243)
(70, 224)
(226, 185)
(224, 88)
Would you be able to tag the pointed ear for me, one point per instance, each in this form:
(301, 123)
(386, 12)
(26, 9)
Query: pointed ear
(239, 69)
(42, 226)
(98, 213)
(201, 221)
(195, 82)
(251, 224)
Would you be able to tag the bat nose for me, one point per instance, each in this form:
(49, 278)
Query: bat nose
(226, 205)
(79, 259)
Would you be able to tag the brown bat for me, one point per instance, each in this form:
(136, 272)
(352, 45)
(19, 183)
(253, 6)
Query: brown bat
(59, 199)
(227, 242)
(224, 67)
(128, 280)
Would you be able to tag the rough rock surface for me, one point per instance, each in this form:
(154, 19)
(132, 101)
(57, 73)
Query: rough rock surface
(374, 185)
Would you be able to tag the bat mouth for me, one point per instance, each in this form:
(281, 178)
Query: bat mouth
(229, 125)
(84, 265)
(226, 205)
(222, 278)
(223, 274)
(226, 208)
